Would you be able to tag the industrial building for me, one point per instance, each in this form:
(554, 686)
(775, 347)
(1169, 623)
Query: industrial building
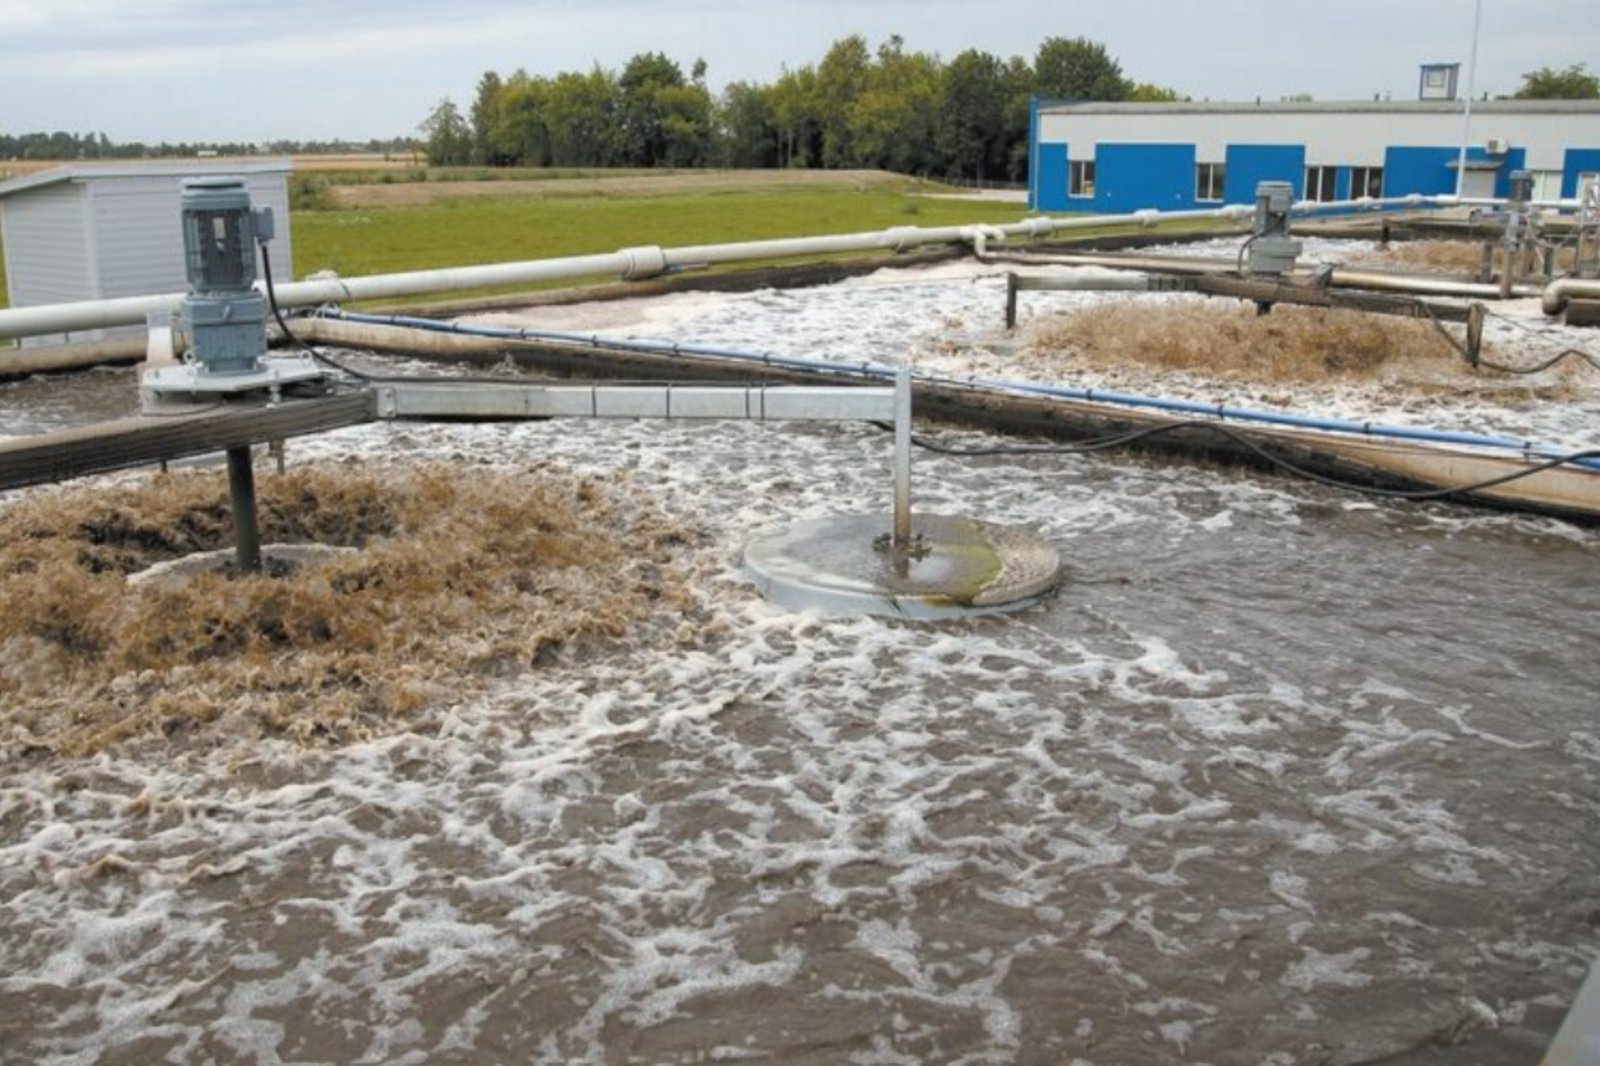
(99, 231)
(1117, 157)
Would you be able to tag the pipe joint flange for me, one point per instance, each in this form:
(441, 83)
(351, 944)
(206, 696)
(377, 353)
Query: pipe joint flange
(645, 261)
(1147, 217)
(902, 238)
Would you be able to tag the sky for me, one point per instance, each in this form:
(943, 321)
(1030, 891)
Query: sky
(185, 70)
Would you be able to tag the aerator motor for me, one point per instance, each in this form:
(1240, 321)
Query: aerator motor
(1272, 250)
(224, 315)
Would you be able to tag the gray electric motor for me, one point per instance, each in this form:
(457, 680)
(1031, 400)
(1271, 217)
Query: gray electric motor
(1521, 183)
(223, 315)
(1272, 250)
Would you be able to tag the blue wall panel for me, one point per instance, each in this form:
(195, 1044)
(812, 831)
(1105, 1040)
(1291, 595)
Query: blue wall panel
(1423, 170)
(1578, 161)
(1129, 177)
(1432, 171)
(1050, 178)
(1252, 163)
(1516, 159)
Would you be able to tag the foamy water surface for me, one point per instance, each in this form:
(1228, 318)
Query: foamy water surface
(1279, 777)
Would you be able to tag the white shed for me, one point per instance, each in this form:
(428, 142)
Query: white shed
(89, 232)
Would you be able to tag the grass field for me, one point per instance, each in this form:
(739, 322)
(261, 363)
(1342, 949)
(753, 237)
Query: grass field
(475, 229)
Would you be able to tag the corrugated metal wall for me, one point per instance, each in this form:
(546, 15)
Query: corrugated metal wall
(47, 243)
(47, 249)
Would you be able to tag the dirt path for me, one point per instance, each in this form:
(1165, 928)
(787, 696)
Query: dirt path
(669, 183)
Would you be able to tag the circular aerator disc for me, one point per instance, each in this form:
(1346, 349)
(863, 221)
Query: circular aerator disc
(952, 566)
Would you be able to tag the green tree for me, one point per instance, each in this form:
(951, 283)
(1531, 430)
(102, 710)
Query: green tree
(1020, 89)
(1146, 93)
(686, 126)
(795, 111)
(1573, 83)
(580, 113)
(520, 133)
(841, 78)
(747, 129)
(640, 106)
(892, 123)
(485, 115)
(1078, 69)
(448, 137)
(971, 115)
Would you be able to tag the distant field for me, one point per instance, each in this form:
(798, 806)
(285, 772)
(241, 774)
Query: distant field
(464, 182)
(486, 229)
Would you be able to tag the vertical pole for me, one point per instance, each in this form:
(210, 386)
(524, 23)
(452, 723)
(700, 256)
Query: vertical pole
(1466, 112)
(902, 457)
(1474, 332)
(242, 493)
(1011, 300)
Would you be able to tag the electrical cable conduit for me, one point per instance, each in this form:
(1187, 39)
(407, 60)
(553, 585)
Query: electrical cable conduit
(884, 370)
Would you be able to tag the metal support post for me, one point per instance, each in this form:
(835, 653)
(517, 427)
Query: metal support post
(1474, 332)
(1011, 300)
(242, 494)
(902, 458)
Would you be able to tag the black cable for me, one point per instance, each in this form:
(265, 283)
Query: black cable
(1238, 266)
(1265, 454)
(1586, 356)
(293, 338)
(1504, 368)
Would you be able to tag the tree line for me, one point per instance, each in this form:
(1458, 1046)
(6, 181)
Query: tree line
(61, 145)
(891, 109)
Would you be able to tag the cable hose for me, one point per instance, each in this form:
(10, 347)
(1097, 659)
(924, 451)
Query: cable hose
(1504, 368)
(1243, 440)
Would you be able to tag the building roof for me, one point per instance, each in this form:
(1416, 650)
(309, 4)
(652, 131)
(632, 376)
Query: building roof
(184, 168)
(1312, 107)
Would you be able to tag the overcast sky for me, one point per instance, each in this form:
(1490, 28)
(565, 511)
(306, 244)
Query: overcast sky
(186, 70)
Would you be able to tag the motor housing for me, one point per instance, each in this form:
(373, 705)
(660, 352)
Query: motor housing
(223, 315)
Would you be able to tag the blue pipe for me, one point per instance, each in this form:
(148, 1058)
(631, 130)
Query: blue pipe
(883, 370)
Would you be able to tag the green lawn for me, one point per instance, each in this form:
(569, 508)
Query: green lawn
(500, 229)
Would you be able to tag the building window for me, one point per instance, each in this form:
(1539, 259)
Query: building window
(1208, 181)
(1366, 181)
(1547, 184)
(1322, 183)
(1080, 177)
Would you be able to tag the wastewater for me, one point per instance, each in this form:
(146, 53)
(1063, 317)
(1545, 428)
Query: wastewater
(1279, 776)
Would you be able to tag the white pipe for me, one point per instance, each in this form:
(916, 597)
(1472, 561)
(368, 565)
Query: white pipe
(1466, 112)
(1364, 279)
(628, 263)
(1557, 293)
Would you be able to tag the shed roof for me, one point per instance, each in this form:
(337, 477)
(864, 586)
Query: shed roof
(176, 168)
(1310, 107)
